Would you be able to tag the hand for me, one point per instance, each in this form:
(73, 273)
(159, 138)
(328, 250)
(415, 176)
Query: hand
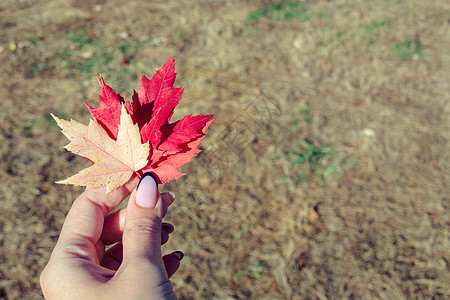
(80, 268)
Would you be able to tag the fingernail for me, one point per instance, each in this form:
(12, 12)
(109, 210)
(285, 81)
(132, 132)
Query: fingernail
(168, 197)
(178, 254)
(169, 227)
(147, 191)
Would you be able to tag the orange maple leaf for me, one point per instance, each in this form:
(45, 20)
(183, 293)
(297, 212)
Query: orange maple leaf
(115, 161)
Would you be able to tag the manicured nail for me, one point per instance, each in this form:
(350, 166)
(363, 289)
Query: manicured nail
(169, 227)
(178, 254)
(168, 197)
(147, 191)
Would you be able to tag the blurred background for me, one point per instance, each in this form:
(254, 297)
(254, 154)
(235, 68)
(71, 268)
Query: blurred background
(324, 176)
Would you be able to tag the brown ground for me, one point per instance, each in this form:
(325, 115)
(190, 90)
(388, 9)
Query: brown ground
(325, 174)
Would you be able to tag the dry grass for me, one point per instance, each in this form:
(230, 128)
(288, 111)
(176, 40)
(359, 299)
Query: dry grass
(324, 175)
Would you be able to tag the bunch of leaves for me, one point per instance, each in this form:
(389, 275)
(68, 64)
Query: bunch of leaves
(135, 137)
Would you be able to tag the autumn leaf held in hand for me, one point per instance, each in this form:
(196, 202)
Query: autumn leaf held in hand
(135, 137)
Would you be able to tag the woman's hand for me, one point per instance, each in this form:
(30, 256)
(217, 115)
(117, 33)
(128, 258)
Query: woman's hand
(80, 268)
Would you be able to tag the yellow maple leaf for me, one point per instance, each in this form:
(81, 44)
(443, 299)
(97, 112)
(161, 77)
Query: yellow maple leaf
(115, 161)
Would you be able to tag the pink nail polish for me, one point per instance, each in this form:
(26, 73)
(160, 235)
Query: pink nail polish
(147, 191)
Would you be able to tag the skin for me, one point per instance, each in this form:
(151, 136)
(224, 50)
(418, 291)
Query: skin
(80, 268)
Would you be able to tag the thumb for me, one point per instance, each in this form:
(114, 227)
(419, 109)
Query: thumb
(142, 230)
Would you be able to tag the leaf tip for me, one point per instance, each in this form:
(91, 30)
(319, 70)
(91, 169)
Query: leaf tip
(57, 120)
(64, 181)
(101, 80)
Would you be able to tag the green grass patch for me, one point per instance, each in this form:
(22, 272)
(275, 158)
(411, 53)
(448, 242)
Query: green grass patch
(39, 67)
(313, 156)
(91, 65)
(92, 56)
(371, 31)
(240, 275)
(315, 162)
(378, 24)
(35, 39)
(408, 49)
(81, 38)
(256, 269)
(252, 269)
(302, 114)
(307, 114)
(282, 11)
(87, 56)
(285, 11)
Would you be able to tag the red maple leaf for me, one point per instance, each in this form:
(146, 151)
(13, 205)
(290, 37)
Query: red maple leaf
(171, 144)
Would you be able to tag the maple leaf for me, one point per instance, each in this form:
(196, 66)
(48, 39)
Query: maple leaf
(115, 161)
(136, 137)
(171, 144)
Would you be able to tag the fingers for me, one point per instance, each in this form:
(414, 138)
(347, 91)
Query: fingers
(113, 257)
(84, 222)
(113, 227)
(167, 198)
(100, 249)
(172, 262)
(113, 234)
(167, 229)
(114, 223)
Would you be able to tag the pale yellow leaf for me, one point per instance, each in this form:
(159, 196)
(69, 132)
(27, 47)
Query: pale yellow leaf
(114, 161)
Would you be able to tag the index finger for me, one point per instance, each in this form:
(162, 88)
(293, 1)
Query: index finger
(84, 222)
